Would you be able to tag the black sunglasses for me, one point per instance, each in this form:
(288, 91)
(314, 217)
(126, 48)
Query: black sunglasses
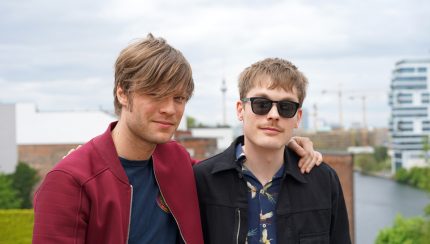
(262, 106)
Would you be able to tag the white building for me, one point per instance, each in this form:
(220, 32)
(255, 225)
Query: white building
(223, 135)
(410, 115)
(23, 125)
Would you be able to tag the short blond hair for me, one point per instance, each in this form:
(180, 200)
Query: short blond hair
(283, 74)
(151, 66)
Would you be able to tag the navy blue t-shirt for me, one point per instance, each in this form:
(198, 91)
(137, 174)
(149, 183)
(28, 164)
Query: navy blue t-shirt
(151, 220)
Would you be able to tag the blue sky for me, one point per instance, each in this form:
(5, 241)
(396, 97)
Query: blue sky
(60, 54)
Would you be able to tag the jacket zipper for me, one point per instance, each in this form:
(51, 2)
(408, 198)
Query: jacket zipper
(238, 225)
(159, 188)
(129, 217)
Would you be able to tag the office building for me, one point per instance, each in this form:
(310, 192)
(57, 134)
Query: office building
(409, 123)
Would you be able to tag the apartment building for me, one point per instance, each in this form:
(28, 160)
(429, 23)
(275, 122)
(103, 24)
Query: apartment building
(409, 124)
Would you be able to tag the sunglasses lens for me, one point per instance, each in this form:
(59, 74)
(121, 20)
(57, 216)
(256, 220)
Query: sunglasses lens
(287, 109)
(261, 106)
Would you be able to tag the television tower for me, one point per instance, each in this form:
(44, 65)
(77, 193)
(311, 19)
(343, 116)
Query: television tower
(223, 90)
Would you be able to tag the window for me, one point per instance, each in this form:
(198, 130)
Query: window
(410, 78)
(422, 69)
(405, 70)
(405, 126)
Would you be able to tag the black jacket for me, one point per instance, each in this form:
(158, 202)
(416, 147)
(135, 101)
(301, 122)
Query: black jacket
(310, 207)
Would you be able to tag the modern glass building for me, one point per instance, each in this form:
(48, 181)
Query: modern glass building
(409, 126)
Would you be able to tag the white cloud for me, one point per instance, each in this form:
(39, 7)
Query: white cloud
(51, 51)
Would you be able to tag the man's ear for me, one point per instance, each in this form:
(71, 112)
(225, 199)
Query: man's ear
(121, 96)
(239, 110)
(298, 117)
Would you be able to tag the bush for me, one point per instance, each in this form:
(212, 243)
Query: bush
(417, 177)
(380, 153)
(8, 196)
(369, 163)
(404, 231)
(23, 181)
(16, 226)
(402, 175)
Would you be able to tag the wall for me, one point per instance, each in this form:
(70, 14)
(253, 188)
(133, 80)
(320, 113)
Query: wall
(342, 163)
(43, 157)
(8, 150)
(199, 148)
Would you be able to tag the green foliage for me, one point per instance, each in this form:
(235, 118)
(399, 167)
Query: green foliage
(401, 175)
(413, 230)
(8, 195)
(416, 176)
(371, 162)
(191, 122)
(380, 154)
(16, 226)
(23, 180)
(427, 210)
(366, 162)
(404, 231)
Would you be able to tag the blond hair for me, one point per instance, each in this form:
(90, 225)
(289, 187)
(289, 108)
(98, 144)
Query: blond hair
(151, 66)
(282, 73)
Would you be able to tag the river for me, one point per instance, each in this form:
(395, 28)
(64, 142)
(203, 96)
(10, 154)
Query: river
(378, 200)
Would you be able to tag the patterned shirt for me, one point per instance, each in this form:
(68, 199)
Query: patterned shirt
(261, 203)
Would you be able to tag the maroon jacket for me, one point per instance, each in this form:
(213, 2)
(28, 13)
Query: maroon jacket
(86, 198)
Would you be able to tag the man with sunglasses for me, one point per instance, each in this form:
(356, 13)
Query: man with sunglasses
(253, 192)
(132, 184)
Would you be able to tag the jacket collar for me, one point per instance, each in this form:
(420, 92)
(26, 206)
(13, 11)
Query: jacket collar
(229, 161)
(106, 149)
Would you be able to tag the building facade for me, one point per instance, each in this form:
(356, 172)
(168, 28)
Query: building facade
(8, 150)
(409, 123)
(41, 139)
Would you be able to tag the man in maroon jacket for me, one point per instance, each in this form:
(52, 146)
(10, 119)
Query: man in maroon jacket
(132, 184)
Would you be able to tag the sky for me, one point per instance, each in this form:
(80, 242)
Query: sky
(60, 55)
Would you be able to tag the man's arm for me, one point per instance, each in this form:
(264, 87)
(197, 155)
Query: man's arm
(58, 210)
(304, 147)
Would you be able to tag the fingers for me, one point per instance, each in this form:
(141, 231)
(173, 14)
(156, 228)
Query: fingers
(308, 162)
(293, 145)
(71, 150)
(304, 147)
(319, 158)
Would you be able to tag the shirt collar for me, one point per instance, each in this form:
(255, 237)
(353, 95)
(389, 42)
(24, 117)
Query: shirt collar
(229, 161)
(241, 157)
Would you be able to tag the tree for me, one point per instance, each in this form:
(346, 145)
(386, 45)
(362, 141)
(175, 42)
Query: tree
(191, 122)
(23, 181)
(404, 231)
(8, 196)
(366, 162)
(380, 154)
(412, 230)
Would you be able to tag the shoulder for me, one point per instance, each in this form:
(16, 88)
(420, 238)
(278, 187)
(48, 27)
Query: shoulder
(214, 166)
(172, 151)
(327, 169)
(82, 163)
(323, 175)
(221, 161)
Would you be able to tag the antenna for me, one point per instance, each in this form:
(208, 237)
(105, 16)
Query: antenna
(223, 90)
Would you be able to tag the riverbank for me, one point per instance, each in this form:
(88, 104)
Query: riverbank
(377, 201)
(386, 174)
